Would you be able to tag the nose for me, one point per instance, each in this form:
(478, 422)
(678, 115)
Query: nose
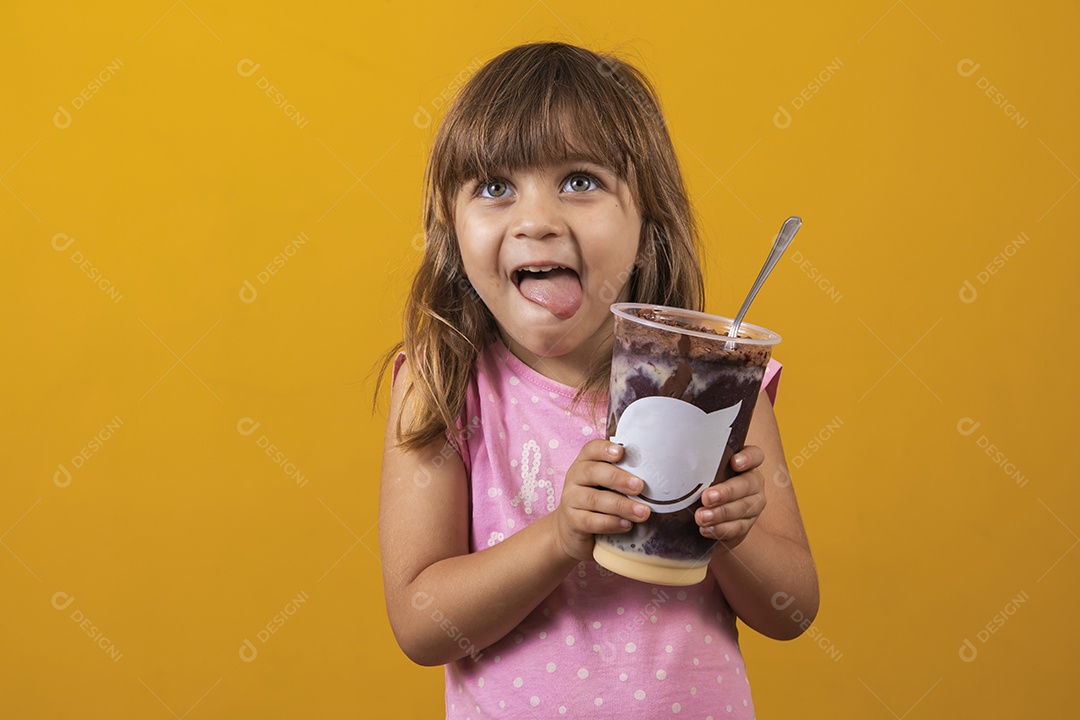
(538, 214)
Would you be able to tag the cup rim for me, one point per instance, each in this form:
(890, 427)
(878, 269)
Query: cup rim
(623, 311)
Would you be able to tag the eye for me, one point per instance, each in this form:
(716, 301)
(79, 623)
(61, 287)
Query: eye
(580, 182)
(494, 188)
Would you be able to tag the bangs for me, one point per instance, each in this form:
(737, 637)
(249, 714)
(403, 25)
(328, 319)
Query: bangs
(525, 112)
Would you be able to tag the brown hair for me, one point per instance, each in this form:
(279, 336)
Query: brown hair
(531, 106)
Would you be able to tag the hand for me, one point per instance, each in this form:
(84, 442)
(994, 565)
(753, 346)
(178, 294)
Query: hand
(587, 507)
(730, 508)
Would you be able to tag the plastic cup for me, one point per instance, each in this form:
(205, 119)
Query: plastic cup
(682, 394)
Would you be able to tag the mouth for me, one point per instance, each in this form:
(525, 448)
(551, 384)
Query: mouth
(671, 502)
(556, 288)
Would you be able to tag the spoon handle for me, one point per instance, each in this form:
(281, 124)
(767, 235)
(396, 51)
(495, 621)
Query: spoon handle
(787, 232)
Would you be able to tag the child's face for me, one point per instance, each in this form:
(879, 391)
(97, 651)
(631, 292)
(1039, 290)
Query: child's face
(548, 250)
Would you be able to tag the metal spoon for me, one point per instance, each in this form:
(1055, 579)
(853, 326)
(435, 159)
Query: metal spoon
(787, 232)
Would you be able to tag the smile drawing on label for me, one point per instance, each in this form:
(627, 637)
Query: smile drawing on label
(674, 447)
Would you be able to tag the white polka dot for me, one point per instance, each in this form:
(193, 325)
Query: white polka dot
(708, 639)
(582, 583)
(619, 611)
(562, 709)
(569, 639)
(543, 635)
(551, 667)
(518, 638)
(502, 435)
(744, 703)
(551, 471)
(498, 658)
(460, 689)
(689, 628)
(661, 675)
(514, 380)
(693, 691)
(631, 647)
(583, 673)
(696, 662)
(599, 702)
(553, 395)
(491, 397)
(518, 682)
(510, 523)
(729, 708)
(553, 444)
(524, 427)
(586, 430)
(622, 677)
(502, 703)
(719, 679)
(738, 671)
(668, 649)
(534, 701)
(513, 401)
(653, 619)
(596, 625)
(534, 399)
(676, 708)
(727, 657)
(681, 595)
(480, 682)
(493, 492)
(596, 648)
(639, 695)
(513, 463)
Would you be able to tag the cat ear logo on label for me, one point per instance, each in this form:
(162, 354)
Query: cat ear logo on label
(674, 447)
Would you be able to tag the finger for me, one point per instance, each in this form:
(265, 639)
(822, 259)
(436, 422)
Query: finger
(731, 489)
(750, 457)
(598, 500)
(601, 451)
(748, 507)
(606, 475)
(728, 532)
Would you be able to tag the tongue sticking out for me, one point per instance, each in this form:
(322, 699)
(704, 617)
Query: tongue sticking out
(557, 290)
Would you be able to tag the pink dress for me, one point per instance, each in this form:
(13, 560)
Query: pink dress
(600, 645)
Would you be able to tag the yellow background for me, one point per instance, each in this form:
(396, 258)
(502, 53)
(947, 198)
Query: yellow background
(179, 180)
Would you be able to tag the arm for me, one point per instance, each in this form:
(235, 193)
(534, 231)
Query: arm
(762, 562)
(430, 576)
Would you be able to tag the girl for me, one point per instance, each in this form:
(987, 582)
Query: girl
(552, 191)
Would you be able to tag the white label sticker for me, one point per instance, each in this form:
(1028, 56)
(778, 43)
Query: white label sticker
(674, 447)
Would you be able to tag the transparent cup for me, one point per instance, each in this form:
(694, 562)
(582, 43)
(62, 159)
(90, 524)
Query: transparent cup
(682, 394)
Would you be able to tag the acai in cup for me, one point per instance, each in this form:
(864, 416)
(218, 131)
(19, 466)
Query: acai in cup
(682, 394)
